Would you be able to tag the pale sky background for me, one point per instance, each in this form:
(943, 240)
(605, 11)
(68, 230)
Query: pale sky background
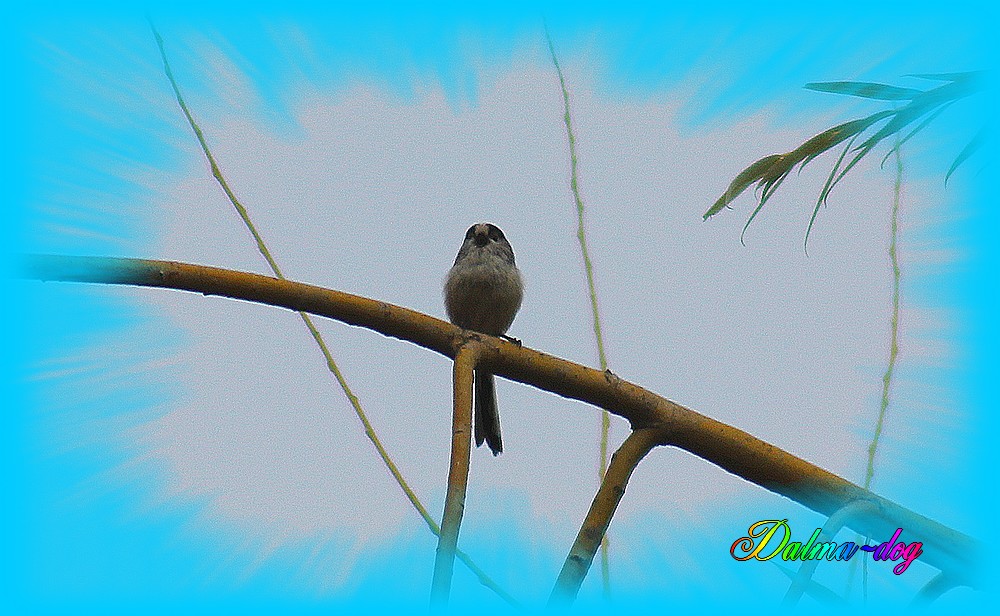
(234, 441)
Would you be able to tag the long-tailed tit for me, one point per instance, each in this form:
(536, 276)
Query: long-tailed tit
(483, 292)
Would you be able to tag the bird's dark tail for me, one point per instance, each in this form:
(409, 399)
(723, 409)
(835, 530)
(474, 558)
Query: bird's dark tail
(487, 418)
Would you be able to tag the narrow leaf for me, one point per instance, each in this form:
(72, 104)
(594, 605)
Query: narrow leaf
(823, 194)
(916, 130)
(903, 117)
(769, 186)
(920, 105)
(750, 220)
(740, 183)
(967, 151)
(864, 89)
(831, 137)
(969, 75)
(849, 166)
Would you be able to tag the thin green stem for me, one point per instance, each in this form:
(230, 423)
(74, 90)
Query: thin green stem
(893, 347)
(331, 364)
(581, 235)
(894, 323)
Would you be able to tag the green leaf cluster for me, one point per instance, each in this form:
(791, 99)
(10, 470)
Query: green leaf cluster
(921, 107)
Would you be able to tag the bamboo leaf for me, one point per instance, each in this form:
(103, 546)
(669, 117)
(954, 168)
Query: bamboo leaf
(916, 130)
(849, 166)
(748, 176)
(967, 151)
(838, 134)
(950, 92)
(968, 75)
(865, 89)
(900, 120)
(823, 194)
(920, 106)
(750, 220)
(769, 172)
(768, 186)
(925, 103)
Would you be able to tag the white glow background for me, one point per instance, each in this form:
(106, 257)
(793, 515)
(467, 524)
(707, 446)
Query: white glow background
(197, 447)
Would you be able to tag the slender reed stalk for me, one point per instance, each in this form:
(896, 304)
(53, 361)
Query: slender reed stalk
(581, 235)
(897, 189)
(893, 323)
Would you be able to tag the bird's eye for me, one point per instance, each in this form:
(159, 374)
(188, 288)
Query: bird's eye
(495, 234)
(471, 232)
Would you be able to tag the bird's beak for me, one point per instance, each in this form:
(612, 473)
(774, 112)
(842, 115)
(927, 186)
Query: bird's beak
(482, 234)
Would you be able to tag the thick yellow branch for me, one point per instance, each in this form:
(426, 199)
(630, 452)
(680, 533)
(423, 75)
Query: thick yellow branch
(730, 448)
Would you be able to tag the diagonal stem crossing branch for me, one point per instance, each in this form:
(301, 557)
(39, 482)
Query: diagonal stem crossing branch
(595, 525)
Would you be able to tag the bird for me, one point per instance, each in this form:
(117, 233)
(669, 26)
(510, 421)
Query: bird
(483, 292)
